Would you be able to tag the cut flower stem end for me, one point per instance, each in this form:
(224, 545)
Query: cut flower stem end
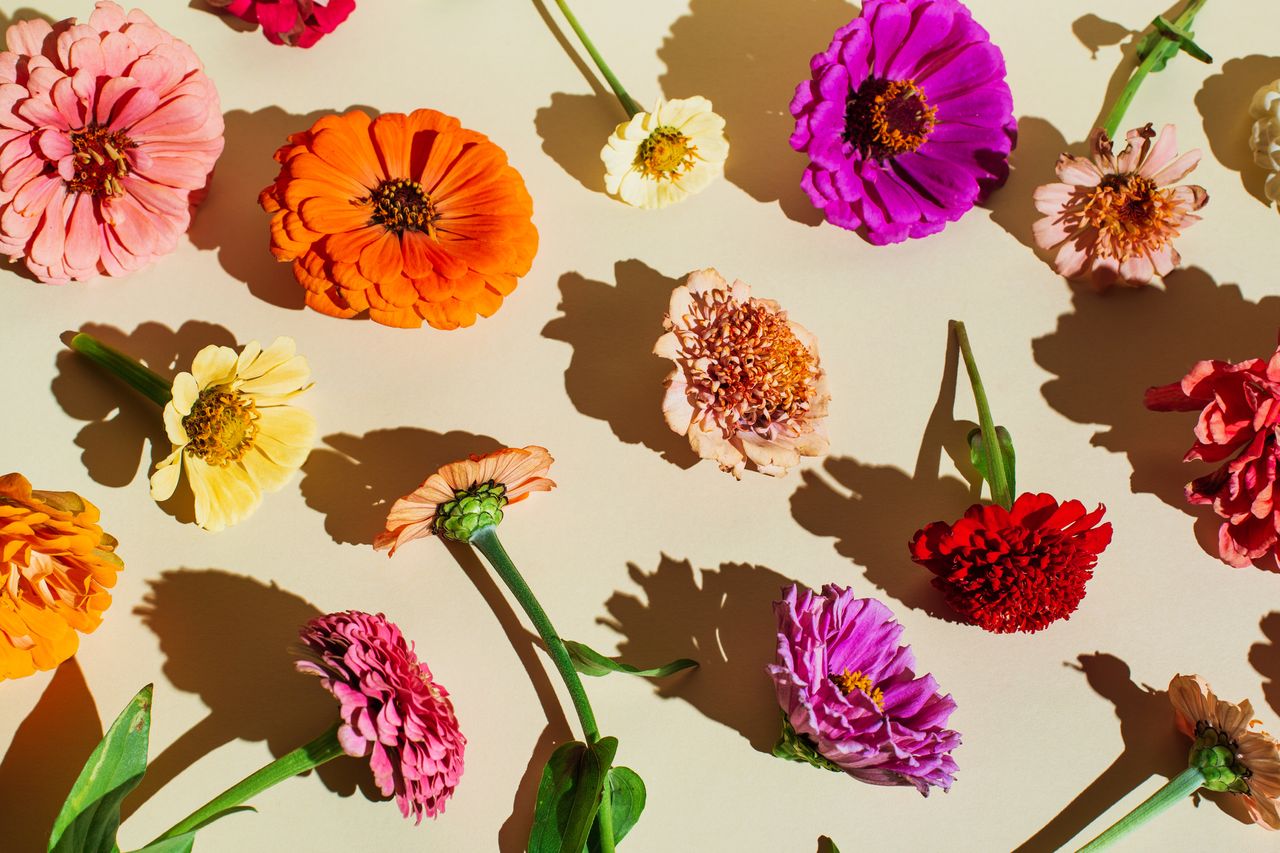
(999, 479)
(138, 376)
(628, 103)
(1162, 50)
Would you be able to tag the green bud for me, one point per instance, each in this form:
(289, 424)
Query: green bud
(471, 510)
(794, 746)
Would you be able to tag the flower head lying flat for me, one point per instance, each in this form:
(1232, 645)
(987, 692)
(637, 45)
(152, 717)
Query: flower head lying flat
(747, 384)
(299, 23)
(1264, 139)
(661, 157)
(56, 567)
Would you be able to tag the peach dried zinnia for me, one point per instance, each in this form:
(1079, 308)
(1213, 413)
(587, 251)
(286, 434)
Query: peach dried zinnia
(412, 218)
(747, 385)
(56, 567)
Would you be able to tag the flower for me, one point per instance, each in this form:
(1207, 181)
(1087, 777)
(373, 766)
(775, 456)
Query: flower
(747, 385)
(463, 497)
(56, 567)
(109, 132)
(1019, 569)
(1265, 136)
(661, 157)
(1234, 755)
(1116, 216)
(410, 217)
(299, 23)
(233, 427)
(850, 698)
(1240, 411)
(908, 121)
(393, 711)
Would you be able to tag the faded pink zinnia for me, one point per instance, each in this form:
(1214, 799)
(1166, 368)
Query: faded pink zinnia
(1116, 216)
(392, 709)
(299, 23)
(108, 132)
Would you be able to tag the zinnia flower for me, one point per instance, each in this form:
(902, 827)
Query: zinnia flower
(850, 698)
(410, 217)
(299, 23)
(234, 429)
(56, 566)
(661, 157)
(463, 497)
(908, 121)
(1265, 136)
(1239, 412)
(1014, 570)
(1116, 216)
(393, 711)
(1246, 760)
(108, 133)
(747, 385)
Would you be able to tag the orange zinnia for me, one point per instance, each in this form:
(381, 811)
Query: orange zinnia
(411, 217)
(56, 566)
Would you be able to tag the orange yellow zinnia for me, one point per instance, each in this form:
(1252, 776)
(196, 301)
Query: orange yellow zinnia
(412, 218)
(56, 565)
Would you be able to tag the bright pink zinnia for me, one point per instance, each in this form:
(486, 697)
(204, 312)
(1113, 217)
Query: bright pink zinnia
(299, 23)
(108, 132)
(392, 710)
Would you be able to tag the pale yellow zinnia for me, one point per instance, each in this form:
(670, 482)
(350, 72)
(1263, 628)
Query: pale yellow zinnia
(234, 430)
(658, 158)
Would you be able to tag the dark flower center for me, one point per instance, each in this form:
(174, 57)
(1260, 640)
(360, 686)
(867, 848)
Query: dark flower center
(888, 117)
(402, 205)
(100, 162)
(222, 426)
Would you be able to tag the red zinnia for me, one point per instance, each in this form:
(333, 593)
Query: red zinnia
(1019, 569)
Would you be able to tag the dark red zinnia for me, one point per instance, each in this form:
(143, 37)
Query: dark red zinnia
(1019, 569)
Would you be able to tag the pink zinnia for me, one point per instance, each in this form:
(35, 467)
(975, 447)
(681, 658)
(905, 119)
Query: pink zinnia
(392, 710)
(108, 133)
(299, 23)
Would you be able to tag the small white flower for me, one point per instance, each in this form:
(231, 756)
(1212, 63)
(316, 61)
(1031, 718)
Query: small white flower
(1265, 139)
(660, 157)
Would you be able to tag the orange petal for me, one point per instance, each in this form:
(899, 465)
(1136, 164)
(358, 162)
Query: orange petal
(381, 260)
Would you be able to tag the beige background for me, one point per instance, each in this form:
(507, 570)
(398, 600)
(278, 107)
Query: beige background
(639, 550)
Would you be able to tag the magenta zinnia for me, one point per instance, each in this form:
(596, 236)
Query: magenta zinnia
(299, 23)
(108, 132)
(850, 698)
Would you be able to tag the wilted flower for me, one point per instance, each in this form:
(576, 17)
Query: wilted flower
(110, 131)
(850, 698)
(299, 23)
(1265, 137)
(463, 497)
(659, 158)
(393, 711)
(56, 567)
(1116, 216)
(234, 429)
(908, 121)
(747, 385)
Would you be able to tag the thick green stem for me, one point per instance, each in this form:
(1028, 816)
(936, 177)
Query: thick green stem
(1175, 791)
(1162, 52)
(605, 817)
(999, 479)
(628, 103)
(137, 375)
(304, 758)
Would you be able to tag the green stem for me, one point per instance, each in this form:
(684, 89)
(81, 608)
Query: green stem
(605, 817)
(137, 375)
(999, 481)
(304, 758)
(1175, 791)
(1160, 53)
(628, 103)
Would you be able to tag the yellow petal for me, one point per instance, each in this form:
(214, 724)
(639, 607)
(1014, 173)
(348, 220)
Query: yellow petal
(164, 480)
(214, 365)
(185, 391)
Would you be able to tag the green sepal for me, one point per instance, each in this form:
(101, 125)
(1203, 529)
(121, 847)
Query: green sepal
(588, 661)
(569, 796)
(626, 802)
(978, 457)
(471, 510)
(1169, 39)
(794, 746)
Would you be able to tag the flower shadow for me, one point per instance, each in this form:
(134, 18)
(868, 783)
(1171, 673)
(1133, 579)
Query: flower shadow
(613, 374)
(722, 618)
(245, 675)
(1265, 658)
(767, 45)
(231, 21)
(354, 480)
(1223, 103)
(1031, 164)
(45, 757)
(1096, 33)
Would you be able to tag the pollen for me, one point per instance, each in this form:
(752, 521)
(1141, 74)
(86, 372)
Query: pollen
(222, 426)
(402, 205)
(847, 682)
(884, 118)
(1133, 216)
(666, 155)
(99, 159)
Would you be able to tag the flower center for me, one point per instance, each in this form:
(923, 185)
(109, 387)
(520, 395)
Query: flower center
(847, 682)
(888, 117)
(401, 206)
(98, 154)
(1218, 758)
(470, 510)
(1133, 215)
(222, 426)
(667, 154)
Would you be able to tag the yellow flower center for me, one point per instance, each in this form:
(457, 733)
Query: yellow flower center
(1133, 215)
(666, 154)
(401, 206)
(888, 117)
(847, 682)
(222, 426)
(99, 159)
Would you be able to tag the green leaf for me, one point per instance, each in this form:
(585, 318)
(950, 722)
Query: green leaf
(220, 815)
(178, 844)
(588, 661)
(569, 796)
(626, 802)
(91, 814)
(978, 456)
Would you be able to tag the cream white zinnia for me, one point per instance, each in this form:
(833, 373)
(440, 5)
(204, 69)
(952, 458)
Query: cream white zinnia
(1265, 139)
(234, 430)
(660, 157)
